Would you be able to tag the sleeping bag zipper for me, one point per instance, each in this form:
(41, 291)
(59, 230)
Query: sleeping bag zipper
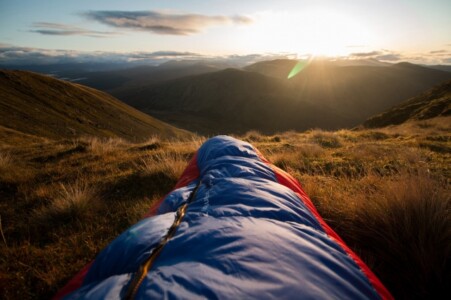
(145, 267)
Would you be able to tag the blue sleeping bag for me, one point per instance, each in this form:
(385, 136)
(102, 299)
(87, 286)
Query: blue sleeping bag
(233, 231)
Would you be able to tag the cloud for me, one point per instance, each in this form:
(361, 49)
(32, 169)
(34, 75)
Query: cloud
(382, 55)
(26, 56)
(47, 28)
(174, 53)
(162, 23)
(366, 54)
(438, 51)
(13, 55)
(389, 57)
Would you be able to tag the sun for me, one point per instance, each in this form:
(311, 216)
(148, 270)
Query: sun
(315, 32)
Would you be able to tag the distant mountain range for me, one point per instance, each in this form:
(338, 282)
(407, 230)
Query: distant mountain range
(34, 104)
(113, 78)
(324, 94)
(435, 102)
(359, 91)
(210, 98)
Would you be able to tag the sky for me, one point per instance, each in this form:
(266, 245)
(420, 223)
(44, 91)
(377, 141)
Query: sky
(49, 30)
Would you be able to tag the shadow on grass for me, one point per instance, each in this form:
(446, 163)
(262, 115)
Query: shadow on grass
(60, 155)
(139, 185)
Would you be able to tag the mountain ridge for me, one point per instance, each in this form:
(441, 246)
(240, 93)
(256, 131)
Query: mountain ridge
(323, 95)
(44, 106)
(435, 102)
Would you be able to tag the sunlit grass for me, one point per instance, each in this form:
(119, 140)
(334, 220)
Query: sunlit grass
(386, 192)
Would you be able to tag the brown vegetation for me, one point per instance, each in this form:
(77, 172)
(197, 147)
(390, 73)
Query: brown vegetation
(386, 192)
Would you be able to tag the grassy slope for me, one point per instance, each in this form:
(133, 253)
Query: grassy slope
(62, 201)
(386, 192)
(432, 103)
(43, 106)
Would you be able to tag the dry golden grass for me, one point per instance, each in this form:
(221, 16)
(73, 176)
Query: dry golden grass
(101, 146)
(386, 192)
(77, 196)
(401, 226)
(326, 139)
(7, 168)
(5, 161)
(71, 202)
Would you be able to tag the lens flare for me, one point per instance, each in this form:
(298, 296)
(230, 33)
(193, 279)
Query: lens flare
(299, 67)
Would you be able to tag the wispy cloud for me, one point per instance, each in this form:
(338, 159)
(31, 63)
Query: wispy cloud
(390, 57)
(430, 57)
(438, 51)
(47, 28)
(366, 54)
(383, 55)
(161, 22)
(13, 55)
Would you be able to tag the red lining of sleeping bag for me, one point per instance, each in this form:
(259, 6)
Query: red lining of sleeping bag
(75, 283)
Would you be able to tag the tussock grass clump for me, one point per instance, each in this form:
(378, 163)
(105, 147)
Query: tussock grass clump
(99, 146)
(253, 136)
(5, 161)
(256, 136)
(406, 232)
(7, 168)
(13, 171)
(326, 139)
(171, 164)
(276, 139)
(72, 202)
(311, 150)
(286, 160)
